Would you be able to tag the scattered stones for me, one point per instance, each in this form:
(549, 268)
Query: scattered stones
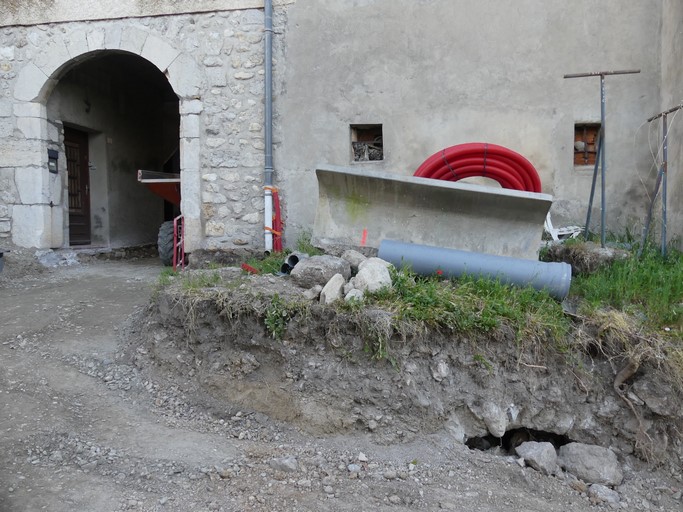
(591, 463)
(313, 293)
(601, 494)
(354, 468)
(540, 456)
(354, 258)
(354, 295)
(333, 290)
(373, 275)
(285, 464)
(319, 270)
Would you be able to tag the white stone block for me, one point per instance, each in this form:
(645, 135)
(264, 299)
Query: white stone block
(77, 43)
(184, 76)
(29, 82)
(32, 184)
(191, 107)
(189, 126)
(190, 187)
(52, 56)
(31, 226)
(21, 153)
(193, 233)
(133, 39)
(95, 39)
(33, 127)
(112, 37)
(189, 151)
(159, 52)
(30, 109)
(57, 216)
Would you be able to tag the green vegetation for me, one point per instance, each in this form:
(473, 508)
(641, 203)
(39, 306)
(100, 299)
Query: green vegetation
(199, 280)
(304, 244)
(277, 316)
(650, 287)
(269, 264)
(630, 311)
(469, 305)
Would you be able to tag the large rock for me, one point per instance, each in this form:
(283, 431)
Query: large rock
(354, 258)
(333, 290)
(373, 275)
(540, 456)
(319, 270)
(592, 464)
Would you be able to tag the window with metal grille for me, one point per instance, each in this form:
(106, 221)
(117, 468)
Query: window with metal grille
(585, 143)
(366, 142)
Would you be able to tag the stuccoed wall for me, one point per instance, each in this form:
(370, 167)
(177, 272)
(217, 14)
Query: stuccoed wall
(672, 95)
(31, 12)
(214, 62)
(436, 73)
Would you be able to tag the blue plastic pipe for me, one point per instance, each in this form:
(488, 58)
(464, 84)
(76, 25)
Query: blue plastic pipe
(427, 260)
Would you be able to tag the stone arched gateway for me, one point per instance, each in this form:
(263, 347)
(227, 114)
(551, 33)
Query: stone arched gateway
(41, 214)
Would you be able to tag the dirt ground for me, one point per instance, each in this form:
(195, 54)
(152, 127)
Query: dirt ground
(84, 428)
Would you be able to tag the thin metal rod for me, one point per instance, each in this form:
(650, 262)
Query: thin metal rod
(603, 73)
(671, 110)
(648, 220)
(595, 179)
(603, 161)
(665, 164)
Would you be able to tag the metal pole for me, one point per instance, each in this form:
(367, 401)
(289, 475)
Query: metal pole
(603, 159)
(661, 181)
(665, 163)
(595, 179)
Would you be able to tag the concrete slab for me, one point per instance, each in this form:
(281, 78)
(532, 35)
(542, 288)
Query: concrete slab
(425, 211)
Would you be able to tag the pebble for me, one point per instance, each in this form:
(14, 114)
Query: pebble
(390, 475)
(354, 468)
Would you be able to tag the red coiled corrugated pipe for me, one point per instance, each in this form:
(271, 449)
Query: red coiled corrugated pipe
(499, 163)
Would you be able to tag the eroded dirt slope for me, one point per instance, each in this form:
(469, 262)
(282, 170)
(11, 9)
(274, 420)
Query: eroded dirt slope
(101, 410)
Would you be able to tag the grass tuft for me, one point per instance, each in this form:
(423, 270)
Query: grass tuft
(471, 304)
(651, 287)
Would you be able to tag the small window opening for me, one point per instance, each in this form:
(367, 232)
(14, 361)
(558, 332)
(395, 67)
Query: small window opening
(585, 143)
(366, 142)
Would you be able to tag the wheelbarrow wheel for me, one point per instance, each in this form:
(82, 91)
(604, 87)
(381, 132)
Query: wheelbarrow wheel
(165, 243)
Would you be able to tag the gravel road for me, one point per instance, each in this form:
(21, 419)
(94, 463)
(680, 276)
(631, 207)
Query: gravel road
(82, 429)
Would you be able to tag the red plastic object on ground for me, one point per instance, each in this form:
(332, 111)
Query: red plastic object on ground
(499, 163)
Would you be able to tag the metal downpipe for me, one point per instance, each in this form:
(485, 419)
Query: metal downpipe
(426, 260)
(268, 127)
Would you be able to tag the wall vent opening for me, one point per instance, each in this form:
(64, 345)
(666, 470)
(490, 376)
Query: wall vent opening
(367, 143)
(585, 143)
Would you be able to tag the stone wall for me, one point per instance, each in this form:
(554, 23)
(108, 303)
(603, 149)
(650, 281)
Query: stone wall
(214, 62)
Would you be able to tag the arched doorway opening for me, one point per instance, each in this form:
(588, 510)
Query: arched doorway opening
(114, 113)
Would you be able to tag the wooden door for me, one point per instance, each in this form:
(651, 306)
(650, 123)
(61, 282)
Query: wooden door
(76, 148)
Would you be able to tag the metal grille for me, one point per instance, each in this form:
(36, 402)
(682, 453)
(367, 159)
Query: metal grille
(73, 167)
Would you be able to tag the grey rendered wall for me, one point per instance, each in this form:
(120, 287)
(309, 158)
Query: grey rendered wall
(672, 95)
(436, 73)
